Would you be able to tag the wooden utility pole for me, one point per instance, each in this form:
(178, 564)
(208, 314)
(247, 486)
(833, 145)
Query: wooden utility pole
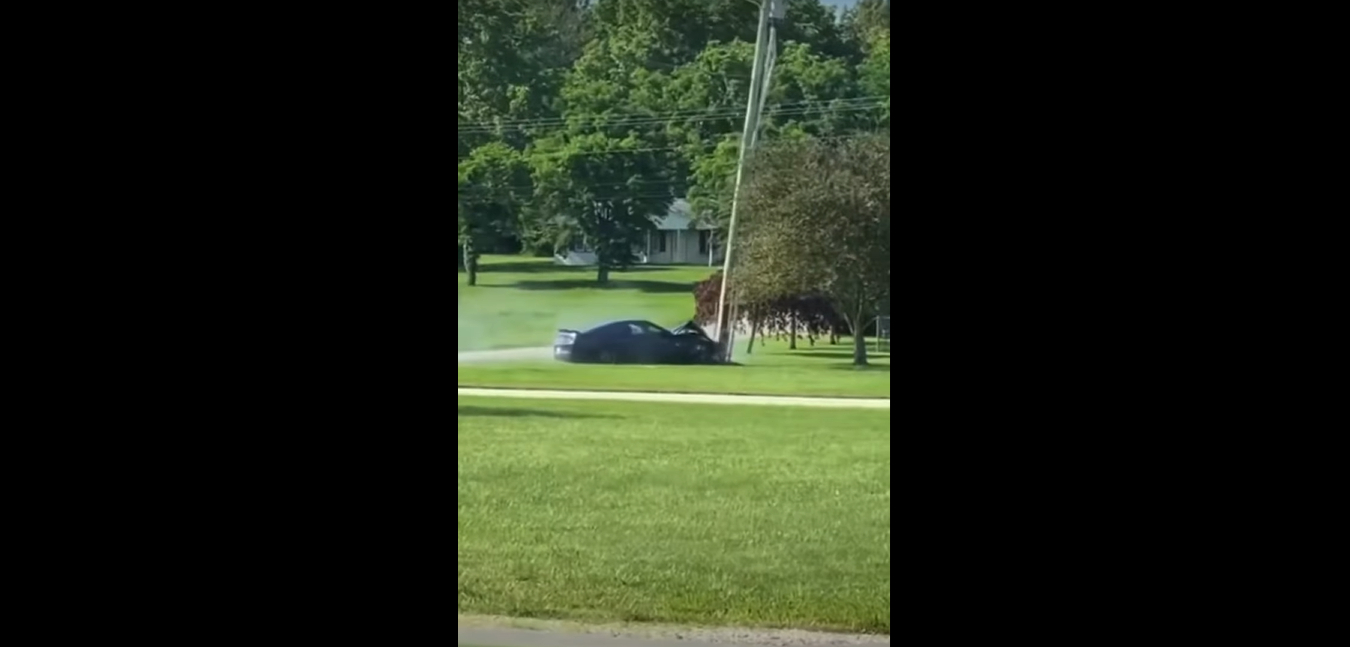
(771, 12)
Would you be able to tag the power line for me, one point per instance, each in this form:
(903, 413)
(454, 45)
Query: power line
(602, 198)
(710, 116)
(647, 185)
(800, 107)
(661, 148)
(661, 182)
(507, 122)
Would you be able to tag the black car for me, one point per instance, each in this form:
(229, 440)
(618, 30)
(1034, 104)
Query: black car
(636, 342)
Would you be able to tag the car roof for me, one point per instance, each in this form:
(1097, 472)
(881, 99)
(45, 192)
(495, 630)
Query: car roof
(622, 321)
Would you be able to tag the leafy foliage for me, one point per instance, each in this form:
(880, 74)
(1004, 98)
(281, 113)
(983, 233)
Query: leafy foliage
(818, 222)
(809, 315)
(580, 122)
(493, 183)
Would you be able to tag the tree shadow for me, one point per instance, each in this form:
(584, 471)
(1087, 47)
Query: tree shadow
(836, 354)
(652, 287)
(870, 368)
(548, 267)
(514, 412)
(526, 267)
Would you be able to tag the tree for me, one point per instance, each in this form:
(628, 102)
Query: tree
(592, 188)
(862, 21)
(629, 104)
(610, 168)
(494, 181)
(793, 315)
(875, 74)
(810, 94)
(815, 95)
(818, 222)
(512, 56)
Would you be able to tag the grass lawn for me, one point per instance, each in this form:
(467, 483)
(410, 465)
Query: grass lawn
(771, 369)
(703, 515)
(521, 302)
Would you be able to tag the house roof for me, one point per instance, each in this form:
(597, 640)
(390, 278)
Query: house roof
(678, 217)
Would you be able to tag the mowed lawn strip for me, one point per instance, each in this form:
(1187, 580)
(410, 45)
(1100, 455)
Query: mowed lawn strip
(822, 370)
(703, 515)
(521, 302)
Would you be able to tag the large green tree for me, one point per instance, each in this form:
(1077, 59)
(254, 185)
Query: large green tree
(494, 184)
(610, 168)
(595, 189)
(810, 95)
(641, 101)
(875, 75)
(512, 58)
(818, 221)
(862, 21)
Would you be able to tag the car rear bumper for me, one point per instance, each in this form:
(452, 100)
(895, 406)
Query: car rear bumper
(562, 353)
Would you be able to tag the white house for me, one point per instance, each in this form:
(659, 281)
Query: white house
(675, 242)
(671, 242)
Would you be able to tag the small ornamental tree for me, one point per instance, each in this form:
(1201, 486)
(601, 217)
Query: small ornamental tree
(818, 222)
(792, 316)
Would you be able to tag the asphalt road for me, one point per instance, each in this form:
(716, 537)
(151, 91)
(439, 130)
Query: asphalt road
(506, 355)
(504, 637)
(530, 638)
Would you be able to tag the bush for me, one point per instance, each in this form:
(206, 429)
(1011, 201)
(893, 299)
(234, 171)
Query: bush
(814, 315)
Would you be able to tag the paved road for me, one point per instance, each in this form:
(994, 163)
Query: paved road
(690, 398)
(506, 355)
(502, 637)
(530, 638)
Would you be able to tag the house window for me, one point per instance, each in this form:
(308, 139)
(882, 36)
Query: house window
(704, 237)
(661, 241)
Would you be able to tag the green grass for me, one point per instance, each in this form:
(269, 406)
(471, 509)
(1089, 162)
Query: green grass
(771, 369)
(705, 515)
(521, 302)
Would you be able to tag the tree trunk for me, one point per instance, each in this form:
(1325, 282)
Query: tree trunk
(859, 342)
(471, 264)
(859, 348)
(754, 327)
(792, 334)
(602, 273)
(834, 333)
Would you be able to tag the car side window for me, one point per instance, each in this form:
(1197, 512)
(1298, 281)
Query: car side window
(634, 329)
(614, 331)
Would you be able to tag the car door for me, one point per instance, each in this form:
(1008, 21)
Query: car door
(611, 341)
(637, 344)
(654, 344)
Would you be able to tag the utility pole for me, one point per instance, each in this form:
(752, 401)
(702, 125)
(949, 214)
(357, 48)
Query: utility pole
(770, 13)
